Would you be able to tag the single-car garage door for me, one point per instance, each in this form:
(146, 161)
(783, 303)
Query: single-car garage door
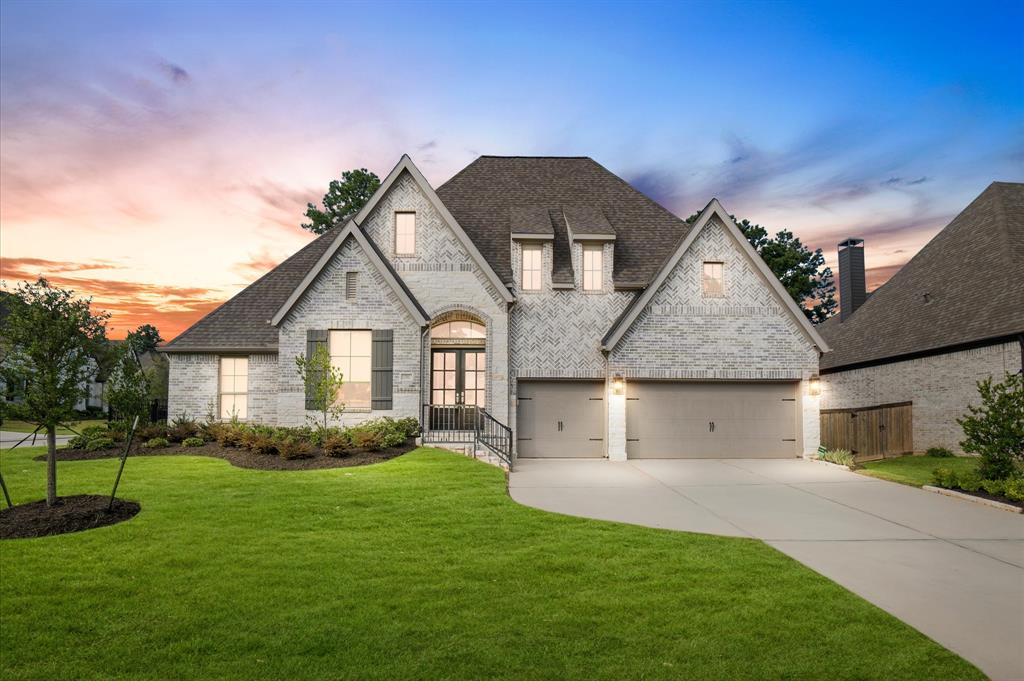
(676, 420)
(560, 419)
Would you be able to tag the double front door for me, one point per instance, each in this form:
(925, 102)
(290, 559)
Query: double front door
(457, 383)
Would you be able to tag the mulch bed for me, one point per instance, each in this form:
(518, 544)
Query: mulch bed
(70, 514)
(243, 458)
(991, 497)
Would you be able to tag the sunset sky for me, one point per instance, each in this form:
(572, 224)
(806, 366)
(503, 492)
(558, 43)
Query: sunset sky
(159, 156)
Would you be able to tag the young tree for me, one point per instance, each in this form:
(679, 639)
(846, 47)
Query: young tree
(343, 198)
(128, 387)
(995, 430)
(48, 341)
(800, 270)
(322, 381)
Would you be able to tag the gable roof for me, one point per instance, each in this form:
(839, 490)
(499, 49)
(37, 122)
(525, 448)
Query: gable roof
(714, 208)
(376, 259)
(972, 272)
(406, 165)
(484, 197)
(242, 324)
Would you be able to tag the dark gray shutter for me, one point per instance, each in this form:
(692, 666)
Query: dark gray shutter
(382, 363)
(314, 340)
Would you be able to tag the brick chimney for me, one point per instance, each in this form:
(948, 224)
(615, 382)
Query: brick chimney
(852, 287)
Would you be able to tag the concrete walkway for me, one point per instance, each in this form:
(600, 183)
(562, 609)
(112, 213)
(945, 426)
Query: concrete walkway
(952, 569)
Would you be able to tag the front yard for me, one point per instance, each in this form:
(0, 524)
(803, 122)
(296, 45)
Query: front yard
(917, 470)
(420, 567)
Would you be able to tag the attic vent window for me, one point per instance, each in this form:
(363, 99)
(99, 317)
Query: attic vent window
(927, 298)
(351, 284)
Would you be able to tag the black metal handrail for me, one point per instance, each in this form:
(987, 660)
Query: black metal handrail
(466, 424)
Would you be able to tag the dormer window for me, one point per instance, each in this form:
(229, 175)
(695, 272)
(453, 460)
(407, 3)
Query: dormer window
(593, 267)
(532, 267)
(405, 233)
(712, 280)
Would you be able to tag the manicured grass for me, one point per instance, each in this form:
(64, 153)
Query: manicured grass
(916, 470)
(421, 567)
(12, 426)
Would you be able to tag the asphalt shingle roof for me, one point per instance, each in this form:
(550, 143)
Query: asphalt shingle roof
(484, 195)
(965, 285)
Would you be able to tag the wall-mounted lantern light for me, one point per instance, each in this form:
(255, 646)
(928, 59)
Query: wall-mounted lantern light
(815, 385)
(618, 385)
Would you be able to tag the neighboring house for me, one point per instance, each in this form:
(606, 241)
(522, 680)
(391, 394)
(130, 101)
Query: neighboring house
(908, 357)
(586, 317)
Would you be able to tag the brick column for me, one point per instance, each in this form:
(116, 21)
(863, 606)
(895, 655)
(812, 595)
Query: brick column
(616, 422)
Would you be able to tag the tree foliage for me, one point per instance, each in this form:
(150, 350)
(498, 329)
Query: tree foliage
(995, 430)
(144, 339)
(343, 198)
(48, 343)
(801, 270)
(128, 386)
(323, 382)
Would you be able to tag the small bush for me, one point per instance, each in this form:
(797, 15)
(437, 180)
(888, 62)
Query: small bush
(995, 429)
(319, 435)
(156, 442)
(366, 438)
(337, 445)
(92, 432)
(193, 442)
(231, 435)
(78, 442)
(151, 430)
(1014, 489)
(410, 425)
(939, 452)
(117, 430)
(969, 482)
(259, 442)
(843, 457)
(99, 443)
(994, 487)
(181, 428)
(293, 447)
(944, 477)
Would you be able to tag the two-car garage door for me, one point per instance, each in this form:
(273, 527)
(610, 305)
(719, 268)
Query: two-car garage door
(673, 420)
(670, 420)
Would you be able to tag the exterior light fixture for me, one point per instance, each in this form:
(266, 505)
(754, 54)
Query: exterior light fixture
(618, 385)
(815, 385)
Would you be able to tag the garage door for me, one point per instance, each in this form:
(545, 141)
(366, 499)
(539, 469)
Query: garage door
(667, 420)
(560, 419)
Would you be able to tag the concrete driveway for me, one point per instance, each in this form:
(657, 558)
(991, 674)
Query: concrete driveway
(952, 569)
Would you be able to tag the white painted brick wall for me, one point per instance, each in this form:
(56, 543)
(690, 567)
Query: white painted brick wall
(940, 387)
(192, 385)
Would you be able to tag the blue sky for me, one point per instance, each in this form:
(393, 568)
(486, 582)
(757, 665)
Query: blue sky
(160, 154)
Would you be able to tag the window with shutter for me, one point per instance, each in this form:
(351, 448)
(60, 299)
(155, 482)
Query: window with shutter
(315, 339)
(383, 369)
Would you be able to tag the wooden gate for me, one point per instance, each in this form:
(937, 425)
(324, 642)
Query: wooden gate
(870, 432)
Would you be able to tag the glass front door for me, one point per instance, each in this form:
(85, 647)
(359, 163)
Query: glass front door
(458, 379)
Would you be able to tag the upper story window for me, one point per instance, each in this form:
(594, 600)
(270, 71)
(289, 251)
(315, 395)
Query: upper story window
(405, 233)
(532, 267)
(712, 280)
(234, 387)
(593, 270)
(350, 352)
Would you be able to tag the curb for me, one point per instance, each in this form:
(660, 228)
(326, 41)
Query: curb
(970, 497)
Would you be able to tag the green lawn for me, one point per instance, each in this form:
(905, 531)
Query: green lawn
(421, 567)
(13, 426)
(916, 470)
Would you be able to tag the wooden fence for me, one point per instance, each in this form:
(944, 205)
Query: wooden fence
(871, 432)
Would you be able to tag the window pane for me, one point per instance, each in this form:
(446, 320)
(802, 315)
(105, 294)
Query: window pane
(477, 331)
(438, 397)
(361, 342)
(471, 360)
(241, 366)
(480, 379)
(405, 233)
(460, 330)
(241, 384)
(340, 342)
(227, 366)
(449, 380)
(470, 380)
(438, 360)
(481, 361)
(360, 369)
(441, 331)
(355, 395)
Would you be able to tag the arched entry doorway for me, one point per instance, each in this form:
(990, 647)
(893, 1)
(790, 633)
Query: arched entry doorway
(458, 360)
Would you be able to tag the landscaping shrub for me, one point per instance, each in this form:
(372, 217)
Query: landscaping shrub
(181, 428)
(410, 425)
(843, 457)
(1014, 490)
(90, 434)
(969, 482)
(293, 447)
(156, 442)
(944, 477)
(99, 443)
(258, 440)
(193, 442)
(995, 430)
(337, 445)
(151, 430)
(366, 438)
(938, 452)
(319, 436)
(231, 435)
(118, 430)
(210, 430)
(994, 487)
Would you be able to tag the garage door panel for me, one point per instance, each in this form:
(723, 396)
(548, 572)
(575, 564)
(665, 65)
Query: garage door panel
(711, 420)
(560, 419)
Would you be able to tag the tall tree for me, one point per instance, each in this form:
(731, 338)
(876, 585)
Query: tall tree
(343, 198)
(47, 348)
(801, 270)
(144, 339)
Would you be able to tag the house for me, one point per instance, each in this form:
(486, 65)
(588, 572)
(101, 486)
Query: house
(906, 360)
(579, 313)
